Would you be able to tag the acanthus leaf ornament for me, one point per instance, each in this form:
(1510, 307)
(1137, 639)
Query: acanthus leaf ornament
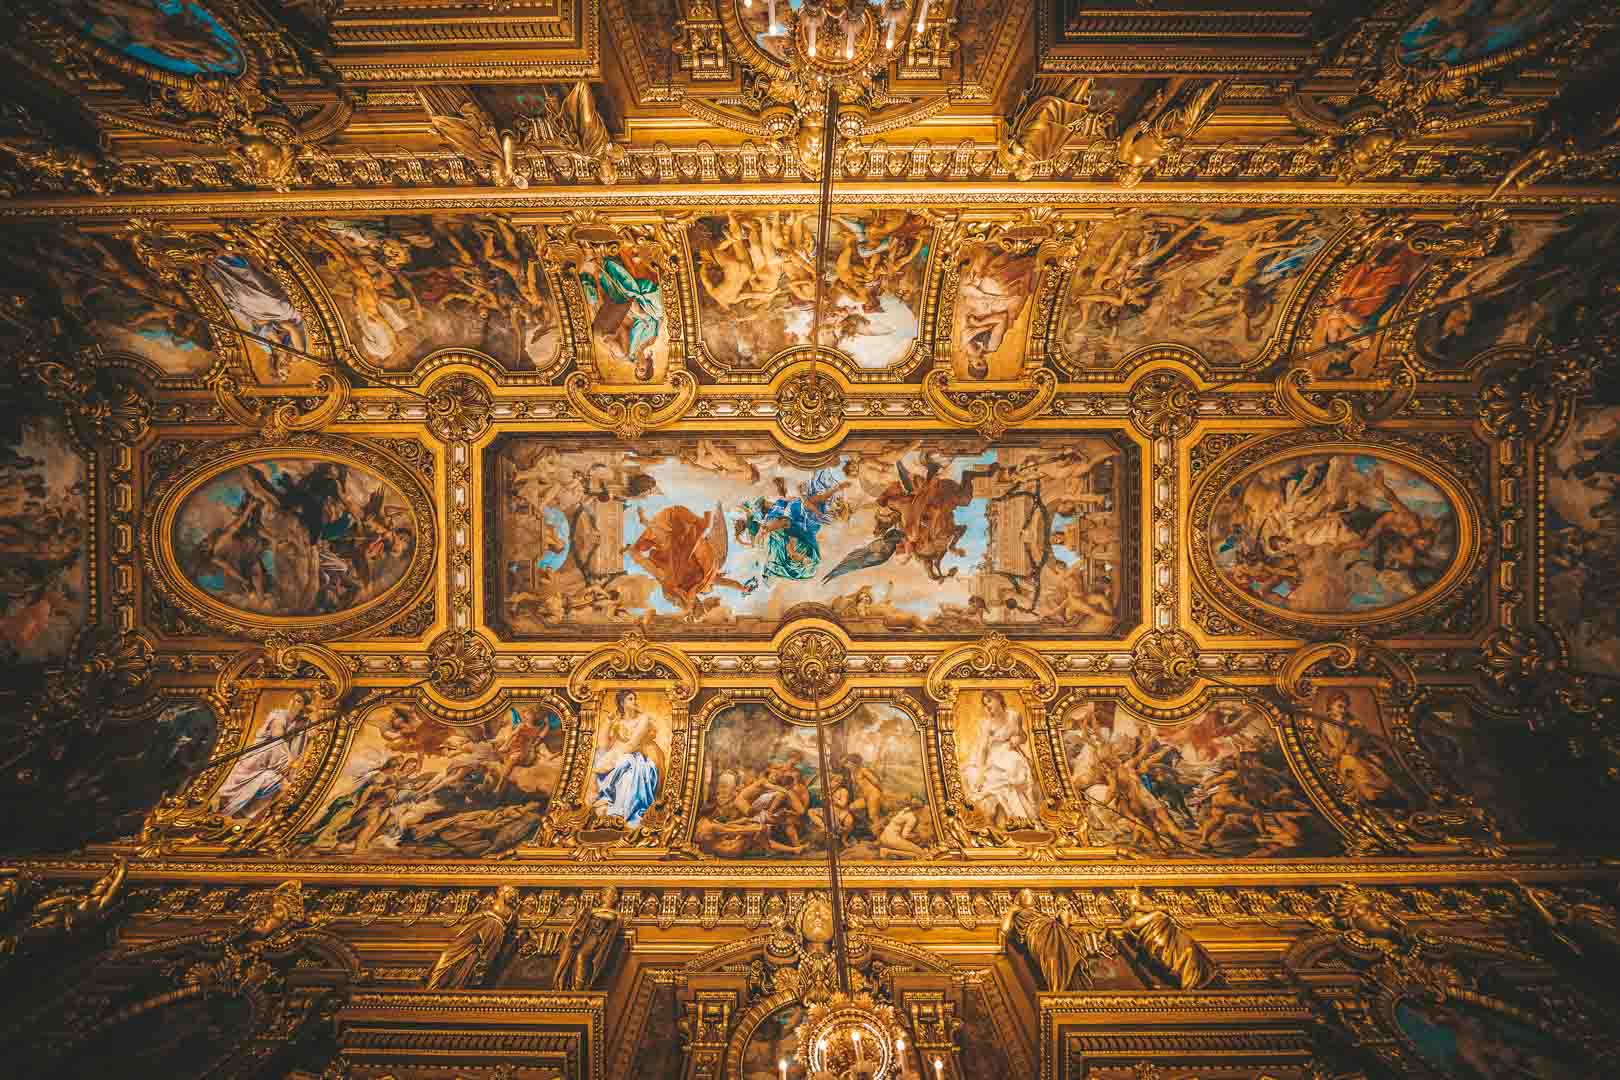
(109, 407)
(1164, 405)
(463, 664)
(459, 409)
(634, 657)
(812, 664)
(810, 406)
(1165, 663)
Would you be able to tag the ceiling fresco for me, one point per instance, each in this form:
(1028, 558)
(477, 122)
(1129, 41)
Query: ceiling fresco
(479, 537)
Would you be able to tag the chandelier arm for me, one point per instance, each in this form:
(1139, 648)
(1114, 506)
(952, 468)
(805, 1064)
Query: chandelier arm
(835, 892)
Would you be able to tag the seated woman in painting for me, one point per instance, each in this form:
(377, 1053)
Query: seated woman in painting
(999, 768)
(624, 291)
(628, 761)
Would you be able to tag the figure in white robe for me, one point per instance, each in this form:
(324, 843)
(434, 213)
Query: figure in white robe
(999, 773)
(260, 776)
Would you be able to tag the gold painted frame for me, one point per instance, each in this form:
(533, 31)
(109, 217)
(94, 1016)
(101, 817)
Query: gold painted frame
(166, 497)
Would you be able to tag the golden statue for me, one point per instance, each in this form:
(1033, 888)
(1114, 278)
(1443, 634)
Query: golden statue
(1048, 123)
(60, 917)
(269, 914)
(1588, 932)
(587, 945)
(465, 962)
(1164, 126)
(1059, 951)
(1159, 950)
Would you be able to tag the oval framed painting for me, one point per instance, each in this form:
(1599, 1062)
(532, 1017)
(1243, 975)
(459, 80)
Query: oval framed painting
(1473, 35)
(314, 538)
(169, 42)
(1329, 533)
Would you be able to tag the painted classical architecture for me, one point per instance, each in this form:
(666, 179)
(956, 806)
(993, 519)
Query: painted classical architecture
(631, 538)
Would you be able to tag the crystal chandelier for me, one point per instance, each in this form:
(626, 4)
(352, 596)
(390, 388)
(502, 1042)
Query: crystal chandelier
(844, 32)
(845, 1035)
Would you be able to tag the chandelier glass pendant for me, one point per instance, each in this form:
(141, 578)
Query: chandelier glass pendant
(843, 32)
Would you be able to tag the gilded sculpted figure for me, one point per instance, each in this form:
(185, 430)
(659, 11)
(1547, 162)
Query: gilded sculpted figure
(283, 907)
(589, 941)
(1165, 124)
(1587, 931)
(1047, 124)
(466, 960)
(62, 917)
(1057, 949)
(1159, 950)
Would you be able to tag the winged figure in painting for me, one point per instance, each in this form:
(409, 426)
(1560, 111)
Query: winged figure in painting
(916, 517)
(685, 554)
(876, 553)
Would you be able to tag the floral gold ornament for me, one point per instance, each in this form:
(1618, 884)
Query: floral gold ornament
(810, 406)
(813, 664)
(459, 409)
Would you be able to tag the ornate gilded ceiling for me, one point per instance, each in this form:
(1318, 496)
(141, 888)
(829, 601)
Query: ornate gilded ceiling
(422, 477)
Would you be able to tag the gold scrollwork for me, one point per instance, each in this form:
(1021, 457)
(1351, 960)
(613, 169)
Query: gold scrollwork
(631, 415)
(634, 657)
(991, 657)
(991, 412)
(1349, 416)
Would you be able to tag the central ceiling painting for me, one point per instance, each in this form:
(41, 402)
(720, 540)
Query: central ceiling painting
(934, 535)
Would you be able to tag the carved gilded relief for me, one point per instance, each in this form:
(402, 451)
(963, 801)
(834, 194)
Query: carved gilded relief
(435, 550)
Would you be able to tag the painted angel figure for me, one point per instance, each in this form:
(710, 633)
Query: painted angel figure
(789, 525)
(686, 555)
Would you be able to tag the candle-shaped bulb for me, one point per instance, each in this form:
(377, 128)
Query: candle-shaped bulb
(849, 40)
(900, 1044)
(783, 1066)
(939, 1067)
(821, 1044)
(922, 17)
